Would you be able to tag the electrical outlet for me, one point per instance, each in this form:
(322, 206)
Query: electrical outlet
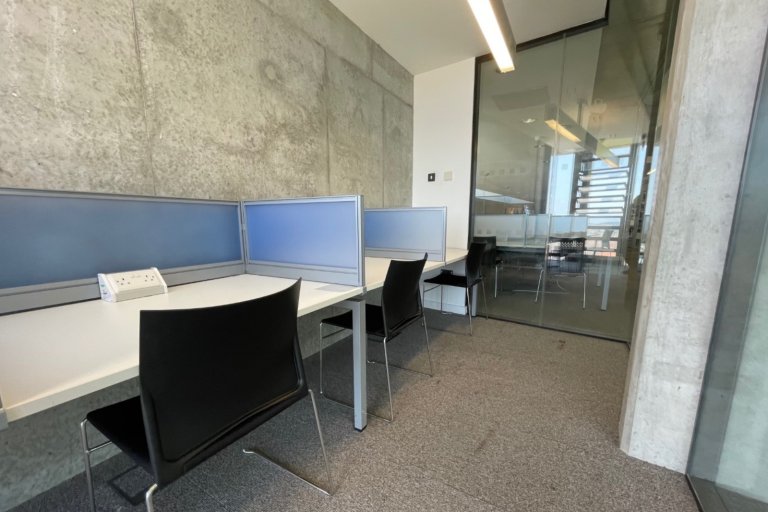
(131, 285)
(431, 176)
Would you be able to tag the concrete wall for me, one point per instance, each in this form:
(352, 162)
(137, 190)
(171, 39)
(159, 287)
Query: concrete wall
(205, 99)
(705, 125)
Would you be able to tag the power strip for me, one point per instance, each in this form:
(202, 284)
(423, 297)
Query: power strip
(131, 285)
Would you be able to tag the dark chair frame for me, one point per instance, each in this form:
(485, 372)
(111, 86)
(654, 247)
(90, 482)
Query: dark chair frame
(249, 350)
(471, 278)
(400, 307)
(492, 259)
(565, 257)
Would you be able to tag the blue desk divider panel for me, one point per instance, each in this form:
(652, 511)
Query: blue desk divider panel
(52, 244)
(406, 233)
(317, 239)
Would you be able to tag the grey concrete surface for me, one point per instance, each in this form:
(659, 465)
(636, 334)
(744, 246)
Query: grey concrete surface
(243, 99)
(70, 97)
(397, 182)
(705, 128)
(391, 75)
(45, 447)
(322, 21)
(355, 129)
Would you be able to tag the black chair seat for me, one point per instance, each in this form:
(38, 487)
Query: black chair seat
(374, 322)
(207, 377)
(447, 279)
(400, 307)
(564, 257)
(122, 424)
(472, 277)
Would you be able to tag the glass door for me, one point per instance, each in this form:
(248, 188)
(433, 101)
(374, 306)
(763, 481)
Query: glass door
(563, 185)
(728, 465)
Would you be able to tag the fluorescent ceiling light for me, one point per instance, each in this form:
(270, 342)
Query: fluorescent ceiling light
(493, 21)
(562, 130)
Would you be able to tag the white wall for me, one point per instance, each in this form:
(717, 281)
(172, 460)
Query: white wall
(442, 143)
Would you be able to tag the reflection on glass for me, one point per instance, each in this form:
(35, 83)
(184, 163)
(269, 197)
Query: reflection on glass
(728, 464)
(561, 154)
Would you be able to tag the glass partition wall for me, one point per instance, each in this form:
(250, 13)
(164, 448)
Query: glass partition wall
(728, 464)
(564, 177)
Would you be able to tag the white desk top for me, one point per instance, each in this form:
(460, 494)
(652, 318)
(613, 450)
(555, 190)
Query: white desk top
(376, 268)
(454, 255)
(53, 355)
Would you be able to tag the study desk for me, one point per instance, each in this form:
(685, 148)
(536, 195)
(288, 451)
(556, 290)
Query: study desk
(376, 268)
(53, 355)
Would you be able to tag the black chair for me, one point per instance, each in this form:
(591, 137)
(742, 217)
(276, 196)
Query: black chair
(400, 307)
(492, 259)
(472, 277)
(565, 257)
(207, 377)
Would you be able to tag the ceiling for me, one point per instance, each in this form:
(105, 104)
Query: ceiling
(598, 83)
(427, 34)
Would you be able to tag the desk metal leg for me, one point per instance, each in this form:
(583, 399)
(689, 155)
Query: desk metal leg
(359, 358)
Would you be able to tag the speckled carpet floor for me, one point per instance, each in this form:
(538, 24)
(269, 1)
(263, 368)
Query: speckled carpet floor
(516, 418)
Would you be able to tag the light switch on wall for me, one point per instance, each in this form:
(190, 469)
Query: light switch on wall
(448, 176)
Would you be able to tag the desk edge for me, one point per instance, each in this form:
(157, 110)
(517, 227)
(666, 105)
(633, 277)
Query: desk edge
(55, 397)
(59, 397)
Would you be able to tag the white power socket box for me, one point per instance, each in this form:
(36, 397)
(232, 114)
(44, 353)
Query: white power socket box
(131, 285)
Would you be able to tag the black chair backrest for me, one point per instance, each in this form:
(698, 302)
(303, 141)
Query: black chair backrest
(489, 257)
(474, 261)
(566, 255)
(400, 297)
(210, 375)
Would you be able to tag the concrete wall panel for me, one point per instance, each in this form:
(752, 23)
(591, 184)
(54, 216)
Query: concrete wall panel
(46, 446)
(355, 124)
(235, 101)
(70, 98)
(706, 123)
(398, 157)
(329, 27)
(392, 75)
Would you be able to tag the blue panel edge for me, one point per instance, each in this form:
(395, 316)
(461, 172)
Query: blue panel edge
(318, 273)
(15, 300)
(404, 252)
